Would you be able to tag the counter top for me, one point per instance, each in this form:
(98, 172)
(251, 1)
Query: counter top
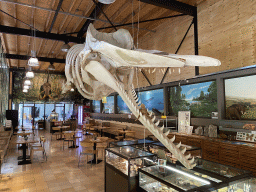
(214, 139)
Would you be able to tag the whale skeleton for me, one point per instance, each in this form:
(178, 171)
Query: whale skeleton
(105, 63)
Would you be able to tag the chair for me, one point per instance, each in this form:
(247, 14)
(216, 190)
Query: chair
(39, 144)
(103, 146)
(56, 132)
(68, 137)
(38, 148)
(129, 136)
(88, 150)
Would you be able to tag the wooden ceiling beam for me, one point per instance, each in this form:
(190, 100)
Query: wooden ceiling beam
(174, 5)
(40, 34)
(37, 71)
(26, 57)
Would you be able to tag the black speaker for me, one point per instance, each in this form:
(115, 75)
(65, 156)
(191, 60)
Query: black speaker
(12, 115)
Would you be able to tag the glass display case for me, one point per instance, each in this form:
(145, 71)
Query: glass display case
(121, 167)
(131, 143)
(206, 176)
(153, 147)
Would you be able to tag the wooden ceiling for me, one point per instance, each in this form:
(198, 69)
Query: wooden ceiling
(53, 20)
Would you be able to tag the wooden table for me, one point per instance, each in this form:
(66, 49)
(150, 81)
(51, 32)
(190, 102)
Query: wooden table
(75, 137)
(61, 128)
(124, 132)
(101, 128)
(24, 159)
(94, 141)
(24, 133)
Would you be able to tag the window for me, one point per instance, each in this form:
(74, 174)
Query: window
(240, 98)
(109, 106)
(68, 111)
(96, 106)
(199, 98)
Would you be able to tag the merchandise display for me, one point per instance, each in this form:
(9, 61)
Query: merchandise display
(128, 158)
(174, 176)
(206, 176)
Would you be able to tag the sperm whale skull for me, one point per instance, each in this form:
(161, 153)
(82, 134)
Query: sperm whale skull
(105, 63)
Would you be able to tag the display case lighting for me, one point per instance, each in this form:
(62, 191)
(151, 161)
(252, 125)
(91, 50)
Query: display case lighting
(188, 175)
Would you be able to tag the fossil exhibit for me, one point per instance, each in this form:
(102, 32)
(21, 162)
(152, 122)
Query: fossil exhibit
(105, 63)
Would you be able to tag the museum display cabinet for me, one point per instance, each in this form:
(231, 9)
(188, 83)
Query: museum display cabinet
(237, 154)
(121, 167)
(206, 176)
(153, 147)
(131, 143)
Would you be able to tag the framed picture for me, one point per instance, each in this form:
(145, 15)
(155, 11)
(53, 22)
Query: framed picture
(183, 121)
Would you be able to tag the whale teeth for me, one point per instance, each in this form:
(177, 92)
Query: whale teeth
(162, 129)
(183, 150)
(178, 145)
(193, 165)
(157, 123)
(188, 156)
(150, 114)
(167, 133)
(154, 118)
(192, 160)
(172, 139)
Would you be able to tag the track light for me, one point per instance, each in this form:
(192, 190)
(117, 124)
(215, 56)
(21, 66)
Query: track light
(25, 90)
(65, 47)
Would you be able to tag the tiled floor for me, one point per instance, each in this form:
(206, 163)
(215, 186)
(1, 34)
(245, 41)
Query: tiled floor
(59, 173)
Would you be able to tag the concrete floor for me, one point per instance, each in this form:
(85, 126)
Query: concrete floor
(59, 173)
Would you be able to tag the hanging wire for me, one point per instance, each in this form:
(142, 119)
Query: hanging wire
(132, 24)
(138, 30)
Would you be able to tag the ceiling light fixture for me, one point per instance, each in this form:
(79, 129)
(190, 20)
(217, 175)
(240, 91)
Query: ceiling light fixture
(51, 67)
(25, 90)
(26, 87)
(72, 89)
(30, 73)
(27, 82)
(65, 47)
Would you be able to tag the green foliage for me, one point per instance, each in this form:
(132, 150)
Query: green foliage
(202, 106)
(177, 101)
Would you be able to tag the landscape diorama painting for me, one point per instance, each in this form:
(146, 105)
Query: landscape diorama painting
(153, 100)
(200, 99)
(240, 97)
(121, 106)
(35, 90)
